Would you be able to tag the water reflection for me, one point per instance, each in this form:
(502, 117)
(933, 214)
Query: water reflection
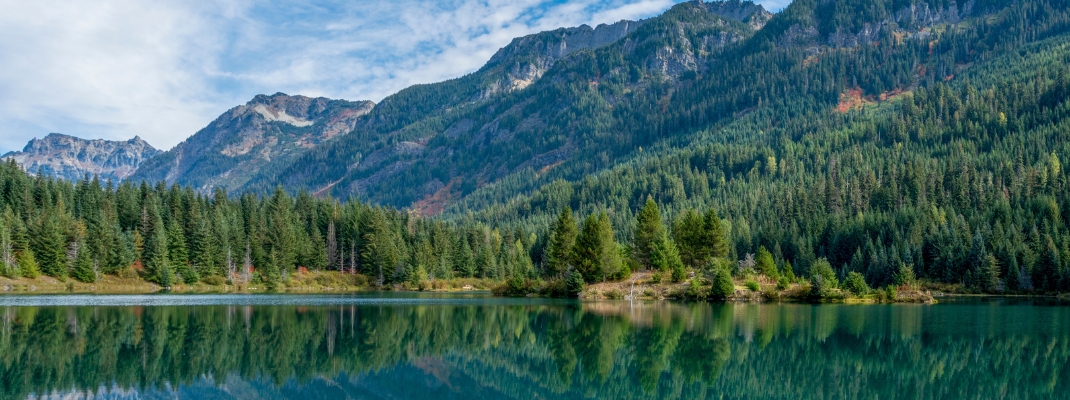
(543, 349)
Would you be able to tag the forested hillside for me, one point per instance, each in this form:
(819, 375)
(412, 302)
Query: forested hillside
(869, 142)
(431, 144)
(940, 149)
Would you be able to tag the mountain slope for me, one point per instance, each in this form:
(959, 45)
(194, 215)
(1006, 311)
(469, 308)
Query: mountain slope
(250, 137)
(72, 158)
(436, 143)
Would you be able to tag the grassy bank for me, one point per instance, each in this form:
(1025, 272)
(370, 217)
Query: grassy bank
(307, 282)
(650, 286)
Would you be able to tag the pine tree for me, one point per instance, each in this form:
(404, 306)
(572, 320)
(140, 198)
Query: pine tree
(723, 286)
(597, 255)
(561, 244)
(380, 252)
(48, 244)
(281, 239)
(690, 234)
(155, 254)
(463, 258)
(788, 272)
(574, 283)
(648, 231)
(316, 259)
(28, 267)
(84, 266)
(766, 264)
(716, 240)
(177, 253)
(666, 257)
(203, 248)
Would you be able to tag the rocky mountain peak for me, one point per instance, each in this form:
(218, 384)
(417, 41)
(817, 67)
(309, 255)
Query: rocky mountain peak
(72, 158)
(268, 127)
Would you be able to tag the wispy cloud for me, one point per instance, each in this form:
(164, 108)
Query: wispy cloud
(162, 69)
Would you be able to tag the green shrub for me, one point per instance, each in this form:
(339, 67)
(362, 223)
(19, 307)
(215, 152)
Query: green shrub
(823, 269)
(723, 287)
(656, 278)
(782, 283)
(574, 283)
(214, 280)
(856, 284)
(752, 285)
(695, 291)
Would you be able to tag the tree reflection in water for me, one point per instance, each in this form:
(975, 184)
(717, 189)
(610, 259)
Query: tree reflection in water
(612, 350)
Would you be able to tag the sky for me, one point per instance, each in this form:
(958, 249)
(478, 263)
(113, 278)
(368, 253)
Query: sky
(163, 69)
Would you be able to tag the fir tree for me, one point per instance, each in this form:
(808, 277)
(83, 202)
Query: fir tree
(689, 232)
(561, 244)
(716, 239)
(597, 256)
(766, 265)
(648, 230)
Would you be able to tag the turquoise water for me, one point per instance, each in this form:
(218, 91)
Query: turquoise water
(408, 346)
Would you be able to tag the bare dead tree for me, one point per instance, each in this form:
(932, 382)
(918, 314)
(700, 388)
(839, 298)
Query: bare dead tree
(231, 268)
(332, 246)
(247, 265)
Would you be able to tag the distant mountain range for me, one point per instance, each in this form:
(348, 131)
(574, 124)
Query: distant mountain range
(72, 158)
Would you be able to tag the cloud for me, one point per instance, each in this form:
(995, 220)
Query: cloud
(163, 69)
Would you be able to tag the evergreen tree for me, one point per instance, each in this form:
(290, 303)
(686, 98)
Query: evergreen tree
(856, 284)
(463, 258)
(84, 268)
(380, 253)
(716, 241)
(597, 256)
(316, 253)
(788, 272)
(766, 264)
(689, 232)
(48, 243)
(822, 272)
(155, 253)
(28, 267)
(561, 244)
(281, 238)
(723, 286)
(666, 257)
(648, 231)
(178, 254)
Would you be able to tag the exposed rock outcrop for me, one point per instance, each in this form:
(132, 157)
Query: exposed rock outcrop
(71, 158)
(243, 140)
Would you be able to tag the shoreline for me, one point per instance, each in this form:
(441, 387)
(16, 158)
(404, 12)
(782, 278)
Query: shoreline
(638, 287)
(302, 283)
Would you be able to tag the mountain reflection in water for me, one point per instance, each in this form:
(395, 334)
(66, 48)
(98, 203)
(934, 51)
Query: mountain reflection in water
(536, 349)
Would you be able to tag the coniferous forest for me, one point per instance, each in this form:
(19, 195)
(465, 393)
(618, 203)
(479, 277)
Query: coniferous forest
(879, 160)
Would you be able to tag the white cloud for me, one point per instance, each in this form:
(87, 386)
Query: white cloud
(163, 69)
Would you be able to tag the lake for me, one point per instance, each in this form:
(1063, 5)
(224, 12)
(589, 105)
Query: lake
(432, 346)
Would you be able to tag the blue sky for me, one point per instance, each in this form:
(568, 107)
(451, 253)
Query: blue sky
(162, 69)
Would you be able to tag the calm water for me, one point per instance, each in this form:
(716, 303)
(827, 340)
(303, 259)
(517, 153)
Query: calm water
(390, 346)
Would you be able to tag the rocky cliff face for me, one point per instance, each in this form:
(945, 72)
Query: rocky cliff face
(527, 58)
(247, 138)
(71, 158)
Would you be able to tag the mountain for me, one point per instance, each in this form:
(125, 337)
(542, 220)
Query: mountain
(72, 158)
(542, 101)
(249, 138)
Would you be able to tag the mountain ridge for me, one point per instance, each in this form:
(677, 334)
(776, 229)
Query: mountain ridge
(73, 158)
(248, 137)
